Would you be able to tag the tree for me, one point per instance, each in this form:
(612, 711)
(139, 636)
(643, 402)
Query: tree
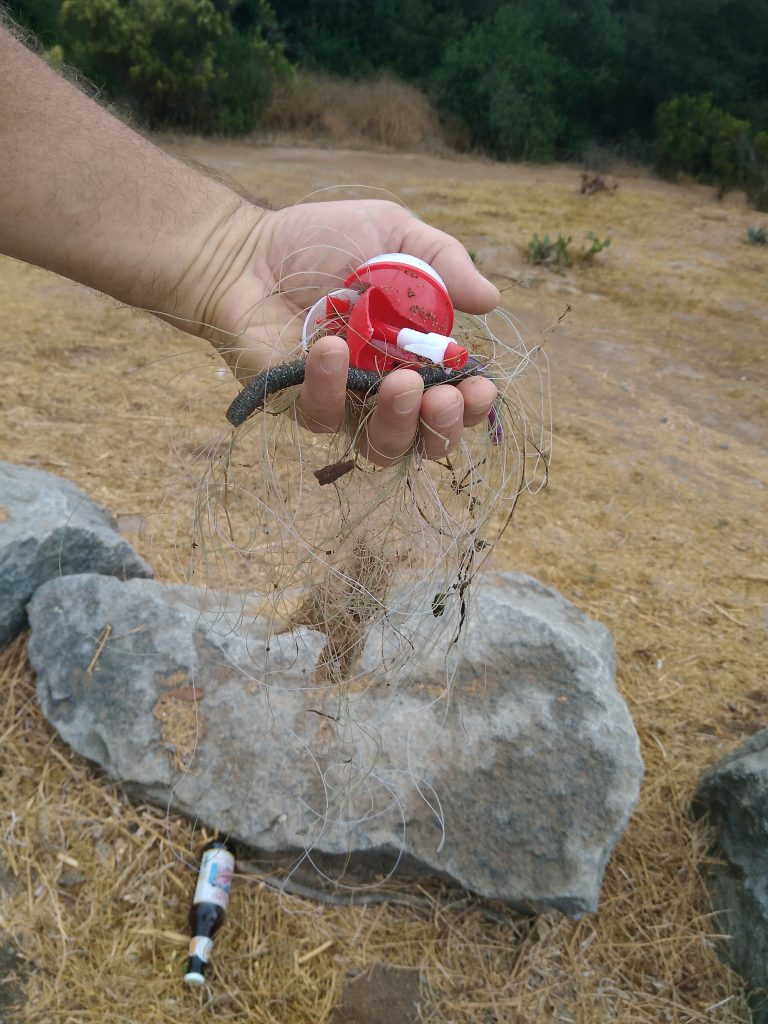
(176, 63)
(689, 47)
(527, 81)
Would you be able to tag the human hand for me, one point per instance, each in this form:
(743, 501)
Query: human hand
(84, 196)
(300, 254)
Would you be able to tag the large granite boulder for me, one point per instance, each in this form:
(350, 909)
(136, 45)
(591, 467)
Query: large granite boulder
(49, 528)
(734, 796)
(516, 781)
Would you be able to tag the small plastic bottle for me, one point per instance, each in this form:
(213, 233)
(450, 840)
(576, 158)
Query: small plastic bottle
(209, 904)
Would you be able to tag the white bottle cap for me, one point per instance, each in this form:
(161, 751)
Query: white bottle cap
(194, 978)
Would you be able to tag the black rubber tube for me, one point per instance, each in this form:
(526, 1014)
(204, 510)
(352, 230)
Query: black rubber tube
(256, 392)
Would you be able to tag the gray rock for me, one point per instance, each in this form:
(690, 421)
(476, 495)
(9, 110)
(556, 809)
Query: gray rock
(734, 796)
(516, 782)
(49, 528)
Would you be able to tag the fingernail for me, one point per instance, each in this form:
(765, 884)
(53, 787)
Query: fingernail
(447, 417)
(409, 401)
(333, 362)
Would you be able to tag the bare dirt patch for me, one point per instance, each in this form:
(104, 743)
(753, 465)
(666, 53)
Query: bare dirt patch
(654, 522)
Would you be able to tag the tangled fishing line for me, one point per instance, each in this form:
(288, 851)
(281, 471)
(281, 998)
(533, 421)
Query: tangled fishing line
(300, 536)
(323, 536)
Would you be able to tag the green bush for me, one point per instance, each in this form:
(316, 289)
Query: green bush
(240, 95)
(200, 65)
(695, 137)
(757, 236)
(552, 253)
(595, 246)
(159, 58)
(730, 151)
(756, 176)
(498, 80)
(523, 79)
(557, 255)
(537, 79)
(682, 142)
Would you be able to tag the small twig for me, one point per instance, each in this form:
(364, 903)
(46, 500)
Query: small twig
(68, 860)
(107, 632)
(727, 614)
(322, 714)
(315, 952)
(161, 933)
(330, 474)
(186, 693)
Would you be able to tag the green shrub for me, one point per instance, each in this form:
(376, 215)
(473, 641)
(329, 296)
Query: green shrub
(695, 137)
(757, 236)
(557, 254)
(177, 63)
(596, 246)
(239, 96)
(523, 78)
(553, 253)
(730, 151)
(756, 176)
(682, 136)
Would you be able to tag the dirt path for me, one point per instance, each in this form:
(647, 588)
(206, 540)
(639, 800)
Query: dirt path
(654, 521)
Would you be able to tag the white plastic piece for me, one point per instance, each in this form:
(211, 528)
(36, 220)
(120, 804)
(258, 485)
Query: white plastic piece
(427, 346)
(406, 261)
(318, 314)
(193, 978)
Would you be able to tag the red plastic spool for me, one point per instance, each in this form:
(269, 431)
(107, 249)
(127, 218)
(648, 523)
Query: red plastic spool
(397, 291)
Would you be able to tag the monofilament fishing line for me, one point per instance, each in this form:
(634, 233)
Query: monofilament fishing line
(299, 536)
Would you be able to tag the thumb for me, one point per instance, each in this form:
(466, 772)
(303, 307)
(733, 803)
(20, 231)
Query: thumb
(470, 291)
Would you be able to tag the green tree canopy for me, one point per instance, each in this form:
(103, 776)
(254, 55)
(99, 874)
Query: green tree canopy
(177, 63)
(532, 78)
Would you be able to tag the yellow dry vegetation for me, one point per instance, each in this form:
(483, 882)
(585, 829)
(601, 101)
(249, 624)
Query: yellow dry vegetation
(654, 522)
(369, 113)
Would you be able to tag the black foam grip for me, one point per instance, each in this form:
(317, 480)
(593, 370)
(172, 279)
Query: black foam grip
(256, 392)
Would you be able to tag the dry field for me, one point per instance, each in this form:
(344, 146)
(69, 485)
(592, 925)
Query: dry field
(654, 522)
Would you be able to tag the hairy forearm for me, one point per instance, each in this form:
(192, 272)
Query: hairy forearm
(84, 196)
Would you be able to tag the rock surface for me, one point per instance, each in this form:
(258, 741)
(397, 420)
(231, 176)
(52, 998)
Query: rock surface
(734, 795)
(49, 528)
(516, 782)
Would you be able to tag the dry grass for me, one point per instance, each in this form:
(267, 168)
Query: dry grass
(654, 522)
(101, 892)
(343, 112)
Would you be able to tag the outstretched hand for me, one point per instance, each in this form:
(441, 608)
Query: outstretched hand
(83, 195)
(303, 252)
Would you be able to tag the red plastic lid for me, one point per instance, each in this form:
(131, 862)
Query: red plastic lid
(413, 288)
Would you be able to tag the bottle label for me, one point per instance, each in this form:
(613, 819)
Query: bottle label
(200, 947)
(215, 878)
